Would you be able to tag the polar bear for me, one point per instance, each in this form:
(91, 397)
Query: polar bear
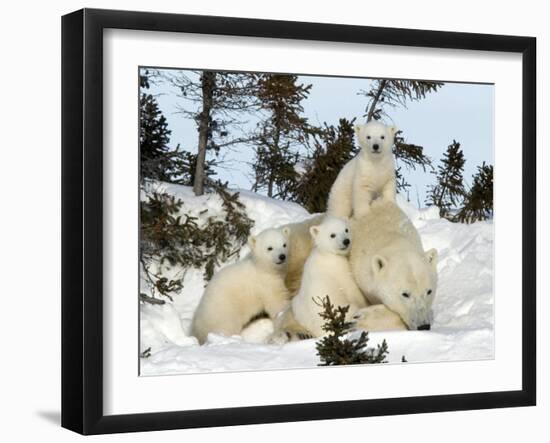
(246, 290)
(371, 174)
(327, 272)
(377, 318)
(300, 244)
(390, 266)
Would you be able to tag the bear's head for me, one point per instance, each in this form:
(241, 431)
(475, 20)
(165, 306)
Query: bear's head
(270, 248)
(406, 284)
(332, 235)
(375, 138)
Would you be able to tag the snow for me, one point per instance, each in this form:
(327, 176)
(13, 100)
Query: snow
(463, 307)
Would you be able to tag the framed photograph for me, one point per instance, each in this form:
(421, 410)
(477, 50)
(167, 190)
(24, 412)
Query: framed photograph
(269, 221)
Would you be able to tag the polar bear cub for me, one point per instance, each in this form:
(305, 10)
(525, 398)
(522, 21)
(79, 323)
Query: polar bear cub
(371, 174)
(327, 272)
(247, 289)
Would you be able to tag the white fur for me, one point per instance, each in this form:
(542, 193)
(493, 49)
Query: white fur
(370, 175)
(300, 244)
(377, 318)
(388, 261)
(244, 289)
(327, 272)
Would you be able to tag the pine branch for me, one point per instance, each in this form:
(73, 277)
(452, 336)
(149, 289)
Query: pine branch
(188, 241)
(146, 353)
(449, 189)
(478, 203)
(375, 100)
(153, 301)
(334, 349)
(334, 146)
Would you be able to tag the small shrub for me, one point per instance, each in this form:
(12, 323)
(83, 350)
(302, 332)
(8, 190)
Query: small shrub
(334, 349)
(168, 236)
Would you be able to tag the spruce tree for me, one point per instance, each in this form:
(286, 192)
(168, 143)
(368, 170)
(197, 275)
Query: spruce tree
(334, 349)
(154, 136)
(215, 101)
(386, 93)
(449, 190)
(402, 185)
(185, 163)
(333, 148)
(159, 161)
(168, 236)
(478, 203)
(280, 135)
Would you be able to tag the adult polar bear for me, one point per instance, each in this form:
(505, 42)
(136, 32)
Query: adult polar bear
(391, 268)
(387, 258)
(369, 175)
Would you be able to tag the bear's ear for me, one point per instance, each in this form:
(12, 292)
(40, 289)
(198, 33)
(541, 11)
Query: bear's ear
(357, 129)
(286, 231)
(314, 231)
(252, 242)
(378, 263)
(431, 256)
(393, 130)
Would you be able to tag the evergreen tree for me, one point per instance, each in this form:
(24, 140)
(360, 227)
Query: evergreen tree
(221, 97)
(449, 190)
(478, 203)
(409, 154)
(387, 94)
(334, 349)
(168, 236)
(144, 82)
(280, 135)
(333, 148)
(154, 136)
(185, 163)
(401, 184)
(157, 160)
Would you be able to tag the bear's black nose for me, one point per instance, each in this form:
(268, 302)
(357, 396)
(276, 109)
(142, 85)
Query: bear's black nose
(282, 257)
(425, 327)
(376, 146)
(346, 241)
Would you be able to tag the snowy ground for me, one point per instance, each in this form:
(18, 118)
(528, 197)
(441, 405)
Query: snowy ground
(463, 308)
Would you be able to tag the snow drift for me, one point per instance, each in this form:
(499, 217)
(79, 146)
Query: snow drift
(463, 307)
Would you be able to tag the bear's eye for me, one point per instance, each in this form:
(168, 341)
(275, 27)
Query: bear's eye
(270, 249)
(347, 230)
(332, 235)
(382, 137)
(284, 246)
(406, 294)
(368, 137)
(429, 292)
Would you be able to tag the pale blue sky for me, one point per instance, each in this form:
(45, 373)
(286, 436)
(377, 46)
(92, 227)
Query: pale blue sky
(459, 111)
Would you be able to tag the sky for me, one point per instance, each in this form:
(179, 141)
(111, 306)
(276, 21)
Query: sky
(458, 111)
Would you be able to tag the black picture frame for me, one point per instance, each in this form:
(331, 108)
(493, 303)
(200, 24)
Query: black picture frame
(82, 220)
